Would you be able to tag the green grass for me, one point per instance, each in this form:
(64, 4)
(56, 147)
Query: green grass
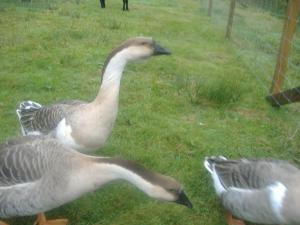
(203, 100)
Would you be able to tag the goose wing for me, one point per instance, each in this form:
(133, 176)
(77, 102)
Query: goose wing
(250, 173)
(37, 119)
(253, 190)
(262, 206)
(16, 141)
(20, 162)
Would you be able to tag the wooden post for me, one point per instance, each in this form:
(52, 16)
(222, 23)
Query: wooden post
(210, 6)
(285, 97)
(230, 19)
(287, 35)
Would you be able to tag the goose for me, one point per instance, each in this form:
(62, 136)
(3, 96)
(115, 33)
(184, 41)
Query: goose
(38, 173)
(85, 126)
(263, 191)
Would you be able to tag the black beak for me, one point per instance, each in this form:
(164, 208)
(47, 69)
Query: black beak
(183, 200)
(158, 50)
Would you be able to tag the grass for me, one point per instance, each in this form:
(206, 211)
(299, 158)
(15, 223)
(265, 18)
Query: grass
(203, 100)
(256, 30)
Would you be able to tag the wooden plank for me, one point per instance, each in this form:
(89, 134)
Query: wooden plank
(285, 97)
(230, 19)
(287, 36)
(210, 6)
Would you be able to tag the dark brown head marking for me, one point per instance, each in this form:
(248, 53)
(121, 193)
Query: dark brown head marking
(166, 182)
(126, 44)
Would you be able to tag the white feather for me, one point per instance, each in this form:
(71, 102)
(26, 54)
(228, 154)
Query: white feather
(22, 113)
(277, 195)
(207, 166)
(211, 169)
(217, 183)
(18, 111)
(63, 133)
(33, 132)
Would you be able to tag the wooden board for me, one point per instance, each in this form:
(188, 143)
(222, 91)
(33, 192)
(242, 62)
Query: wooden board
(285, 97)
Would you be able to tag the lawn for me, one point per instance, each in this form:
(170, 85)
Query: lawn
(202, 100)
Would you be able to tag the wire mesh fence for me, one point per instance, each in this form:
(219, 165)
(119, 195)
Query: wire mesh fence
(257, 34)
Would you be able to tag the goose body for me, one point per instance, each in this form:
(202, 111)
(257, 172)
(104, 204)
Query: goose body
(85, 126)
(38, 173)
(258, 191)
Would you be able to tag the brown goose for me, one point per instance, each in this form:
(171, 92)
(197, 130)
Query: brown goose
(38, 173)
(259, 191)
(85, 126)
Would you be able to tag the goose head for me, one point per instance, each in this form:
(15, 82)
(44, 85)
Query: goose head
(155, 185)
(168, 189)
(142, 48)
(134, 49)
(139, 48)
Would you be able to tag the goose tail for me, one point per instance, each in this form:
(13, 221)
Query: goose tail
(25, 114)
(210, 161)
(209, 164)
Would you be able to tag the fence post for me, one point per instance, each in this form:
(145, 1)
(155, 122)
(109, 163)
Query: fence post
(287, 35)
(230, 19)
(210, 6)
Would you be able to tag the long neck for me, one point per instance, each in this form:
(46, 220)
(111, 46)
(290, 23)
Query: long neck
(104, 170)
(111, 77)
(110, 172)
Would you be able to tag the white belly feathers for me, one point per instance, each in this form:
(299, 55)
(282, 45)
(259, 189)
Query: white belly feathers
(63, 134)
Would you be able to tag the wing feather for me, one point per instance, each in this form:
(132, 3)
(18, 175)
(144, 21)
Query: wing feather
(251, 173)
(19, 163)
(38, 119)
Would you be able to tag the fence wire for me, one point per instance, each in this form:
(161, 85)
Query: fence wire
(256, 34)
